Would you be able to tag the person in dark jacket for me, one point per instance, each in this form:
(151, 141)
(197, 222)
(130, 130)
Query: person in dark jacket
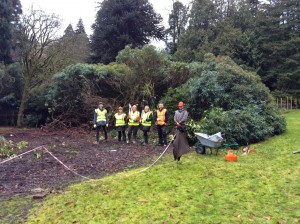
(161, 119)
(180, 144)
(100, 121)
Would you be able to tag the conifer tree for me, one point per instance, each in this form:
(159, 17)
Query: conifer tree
(120, 23)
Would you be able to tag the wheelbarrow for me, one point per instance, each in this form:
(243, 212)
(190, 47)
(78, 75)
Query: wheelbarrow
(216, 142)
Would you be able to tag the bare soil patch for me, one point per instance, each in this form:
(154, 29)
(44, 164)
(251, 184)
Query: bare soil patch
(75, 149)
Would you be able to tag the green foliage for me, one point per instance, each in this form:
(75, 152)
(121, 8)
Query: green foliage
(263, 37)
(9, 20)
(11, 84)
(229, 99)
(201, 189)
(149, 76)
(178, 19)
(9, 148)
(279, 43)
(76, 90)
(121, 23)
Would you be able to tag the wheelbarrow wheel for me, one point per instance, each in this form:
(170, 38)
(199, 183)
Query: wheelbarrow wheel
(200, 149)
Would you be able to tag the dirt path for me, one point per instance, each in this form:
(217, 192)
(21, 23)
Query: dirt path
(40, 170)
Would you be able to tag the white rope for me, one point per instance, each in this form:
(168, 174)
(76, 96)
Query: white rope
(47, 151)
(148, 167)
(66, 165)
(14, 157)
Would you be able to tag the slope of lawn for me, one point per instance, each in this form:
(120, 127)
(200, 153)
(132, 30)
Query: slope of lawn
(263, 187)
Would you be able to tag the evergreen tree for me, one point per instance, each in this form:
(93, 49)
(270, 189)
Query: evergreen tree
(9, 20)
(120, 23)
(279, 29)
(177, 24)
(69, 31)
(80, 27)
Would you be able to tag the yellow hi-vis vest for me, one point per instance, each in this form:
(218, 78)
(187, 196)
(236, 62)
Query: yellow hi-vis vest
(133, 119)
(120, 119)
(161, 116)
(145, 117)
(101, 115)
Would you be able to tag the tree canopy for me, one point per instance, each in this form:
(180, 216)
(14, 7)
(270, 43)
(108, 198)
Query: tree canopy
(121, 23)
(10, 11)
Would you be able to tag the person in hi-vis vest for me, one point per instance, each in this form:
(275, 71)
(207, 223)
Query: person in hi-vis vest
(133, 123)
(161, 119)
(146, 122)
(100, 121)
(120, 123)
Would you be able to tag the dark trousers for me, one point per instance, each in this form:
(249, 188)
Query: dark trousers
(98, 130)
(162, 134)
(120, 134)
(146, 129)
(132, 130)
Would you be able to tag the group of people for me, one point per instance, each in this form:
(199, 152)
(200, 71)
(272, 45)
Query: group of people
(136, 120)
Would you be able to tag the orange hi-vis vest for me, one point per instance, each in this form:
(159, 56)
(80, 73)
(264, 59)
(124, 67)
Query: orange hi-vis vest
(161, 116)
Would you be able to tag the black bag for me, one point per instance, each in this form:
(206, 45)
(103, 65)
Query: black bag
(200, 149)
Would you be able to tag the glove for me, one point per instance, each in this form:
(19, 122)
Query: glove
(106, 125)
(95, 125)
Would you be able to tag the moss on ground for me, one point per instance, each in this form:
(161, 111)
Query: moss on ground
(14, 209)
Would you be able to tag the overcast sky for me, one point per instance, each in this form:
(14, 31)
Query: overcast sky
(71, 10)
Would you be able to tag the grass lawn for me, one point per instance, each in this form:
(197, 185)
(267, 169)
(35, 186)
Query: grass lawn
(263, 187)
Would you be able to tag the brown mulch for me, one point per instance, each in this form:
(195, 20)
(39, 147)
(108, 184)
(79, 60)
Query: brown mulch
(75, 149)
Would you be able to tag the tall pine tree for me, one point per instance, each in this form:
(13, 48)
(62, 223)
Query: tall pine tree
(279, 30)
(10, 11)
(178, 19)
(120, 23)
(80, 27)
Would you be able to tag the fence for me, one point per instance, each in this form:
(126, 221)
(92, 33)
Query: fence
(287, 103)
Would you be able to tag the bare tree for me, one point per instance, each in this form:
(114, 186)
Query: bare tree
(38, 32)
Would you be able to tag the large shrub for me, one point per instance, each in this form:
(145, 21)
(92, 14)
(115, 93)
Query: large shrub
(224, 97)
(76, 90)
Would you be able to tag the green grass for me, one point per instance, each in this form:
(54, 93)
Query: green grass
(14, 209)
(263, 187)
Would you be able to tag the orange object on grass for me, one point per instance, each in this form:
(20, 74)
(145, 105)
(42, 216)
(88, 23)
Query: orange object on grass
(231, 157)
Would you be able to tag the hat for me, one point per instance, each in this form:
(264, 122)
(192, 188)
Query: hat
(180, 104)
(100, 103)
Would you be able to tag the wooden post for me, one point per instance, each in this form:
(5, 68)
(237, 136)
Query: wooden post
(287, 103)
(291, 103)
(280, 103)
(277, 102)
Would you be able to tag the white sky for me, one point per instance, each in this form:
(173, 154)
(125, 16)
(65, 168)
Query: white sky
(71, 10)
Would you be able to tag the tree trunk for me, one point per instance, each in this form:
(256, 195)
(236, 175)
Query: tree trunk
(24, 100)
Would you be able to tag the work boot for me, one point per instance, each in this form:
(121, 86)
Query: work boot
(95, 143)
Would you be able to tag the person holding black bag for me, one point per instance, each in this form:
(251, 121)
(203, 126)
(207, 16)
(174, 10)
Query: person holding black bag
(180, 144)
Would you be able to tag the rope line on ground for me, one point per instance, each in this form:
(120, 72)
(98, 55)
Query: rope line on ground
(66, 165)
(74, 172)
(22, 154)
(148, 167)
(47, 151)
